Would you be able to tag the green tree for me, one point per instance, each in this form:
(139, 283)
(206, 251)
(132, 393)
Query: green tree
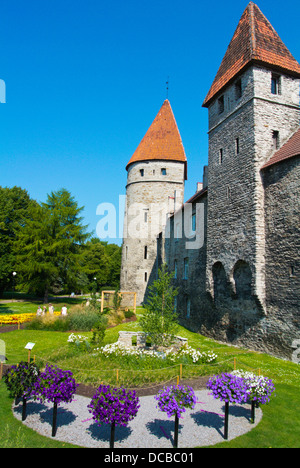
(14, 205)
(103, 262)
(49, 247)
(160, 320)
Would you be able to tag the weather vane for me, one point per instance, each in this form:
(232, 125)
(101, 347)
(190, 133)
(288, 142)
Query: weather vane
(167, 87)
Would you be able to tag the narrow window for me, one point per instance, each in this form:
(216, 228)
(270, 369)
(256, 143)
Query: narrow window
(175, 269)
(145, 252)
(146, 216)
(220, 155)
(146, 276)
(142, 172)
(126, 252)
(221, 105)
(238, 89)
(164, 171)
(275, 139)
(186, 268)
(237, 146)
(194, 222)
(275, 84)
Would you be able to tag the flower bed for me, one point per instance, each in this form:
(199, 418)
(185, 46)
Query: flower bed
(14, 319)
(120, 350)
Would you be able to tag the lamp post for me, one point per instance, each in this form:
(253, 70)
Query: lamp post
(14, 279)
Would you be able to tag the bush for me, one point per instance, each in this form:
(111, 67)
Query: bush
(83, 320)
(49, 323)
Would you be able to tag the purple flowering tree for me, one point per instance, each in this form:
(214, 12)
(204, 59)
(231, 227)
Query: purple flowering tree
(20, 380)
(230, 389)
(54, 385)
(113, 406)
(174, 400)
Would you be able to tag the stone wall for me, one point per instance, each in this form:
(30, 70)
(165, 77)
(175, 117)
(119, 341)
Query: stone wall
(281, 182)
(126, 338)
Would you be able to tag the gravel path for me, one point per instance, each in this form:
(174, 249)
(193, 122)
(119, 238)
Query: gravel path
(204, 425)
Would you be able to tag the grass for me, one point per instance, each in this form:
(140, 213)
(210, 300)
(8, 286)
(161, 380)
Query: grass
(279, 428)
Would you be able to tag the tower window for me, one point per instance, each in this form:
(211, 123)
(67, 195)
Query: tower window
(275, 139)
(142, 172)
(220, 155)
(238, 89)
(146, 276)
(193, 222)
(145, 252)
(164, 171)
(275, 84)
(221, 104)
(146, 216)
(237, 146)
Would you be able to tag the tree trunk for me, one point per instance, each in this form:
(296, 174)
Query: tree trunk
(46, 295)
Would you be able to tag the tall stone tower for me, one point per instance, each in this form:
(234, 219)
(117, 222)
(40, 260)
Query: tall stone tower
(253, 107)
(155, 186)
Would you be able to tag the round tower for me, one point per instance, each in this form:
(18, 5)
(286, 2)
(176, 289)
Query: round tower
(155, 187)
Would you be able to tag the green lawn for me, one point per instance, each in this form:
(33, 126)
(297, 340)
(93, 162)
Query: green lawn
(31, 307)
(280, 426)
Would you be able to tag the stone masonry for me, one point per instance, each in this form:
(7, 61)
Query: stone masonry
(241, 284)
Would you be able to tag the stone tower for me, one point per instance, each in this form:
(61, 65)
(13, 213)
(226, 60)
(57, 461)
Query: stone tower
(155, 187)
(253, 107)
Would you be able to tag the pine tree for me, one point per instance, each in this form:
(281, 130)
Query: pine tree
(49, 246)
(160, 320)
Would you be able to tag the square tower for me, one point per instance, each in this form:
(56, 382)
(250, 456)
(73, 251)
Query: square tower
(253, 108)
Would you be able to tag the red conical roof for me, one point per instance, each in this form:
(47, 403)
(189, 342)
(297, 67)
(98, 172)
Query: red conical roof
(162, 141)
(255, 40)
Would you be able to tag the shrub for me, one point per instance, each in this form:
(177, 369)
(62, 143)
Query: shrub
(49, 323)
(21, 379)
(82, 320)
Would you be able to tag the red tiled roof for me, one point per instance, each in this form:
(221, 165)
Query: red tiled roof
(288, 150)
(255, 40)
(162, 141)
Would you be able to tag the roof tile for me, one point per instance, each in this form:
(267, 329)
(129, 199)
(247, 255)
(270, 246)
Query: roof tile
(288, 150)
(162, 141)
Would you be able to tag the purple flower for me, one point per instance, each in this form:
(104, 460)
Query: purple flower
(114, 405)
(175, 399)
(228, 388)
(54, 385)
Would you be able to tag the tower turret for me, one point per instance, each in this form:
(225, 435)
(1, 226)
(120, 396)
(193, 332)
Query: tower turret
(253, 108)
(155, 186)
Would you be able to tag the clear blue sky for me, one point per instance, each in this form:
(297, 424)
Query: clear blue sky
(85, 79)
